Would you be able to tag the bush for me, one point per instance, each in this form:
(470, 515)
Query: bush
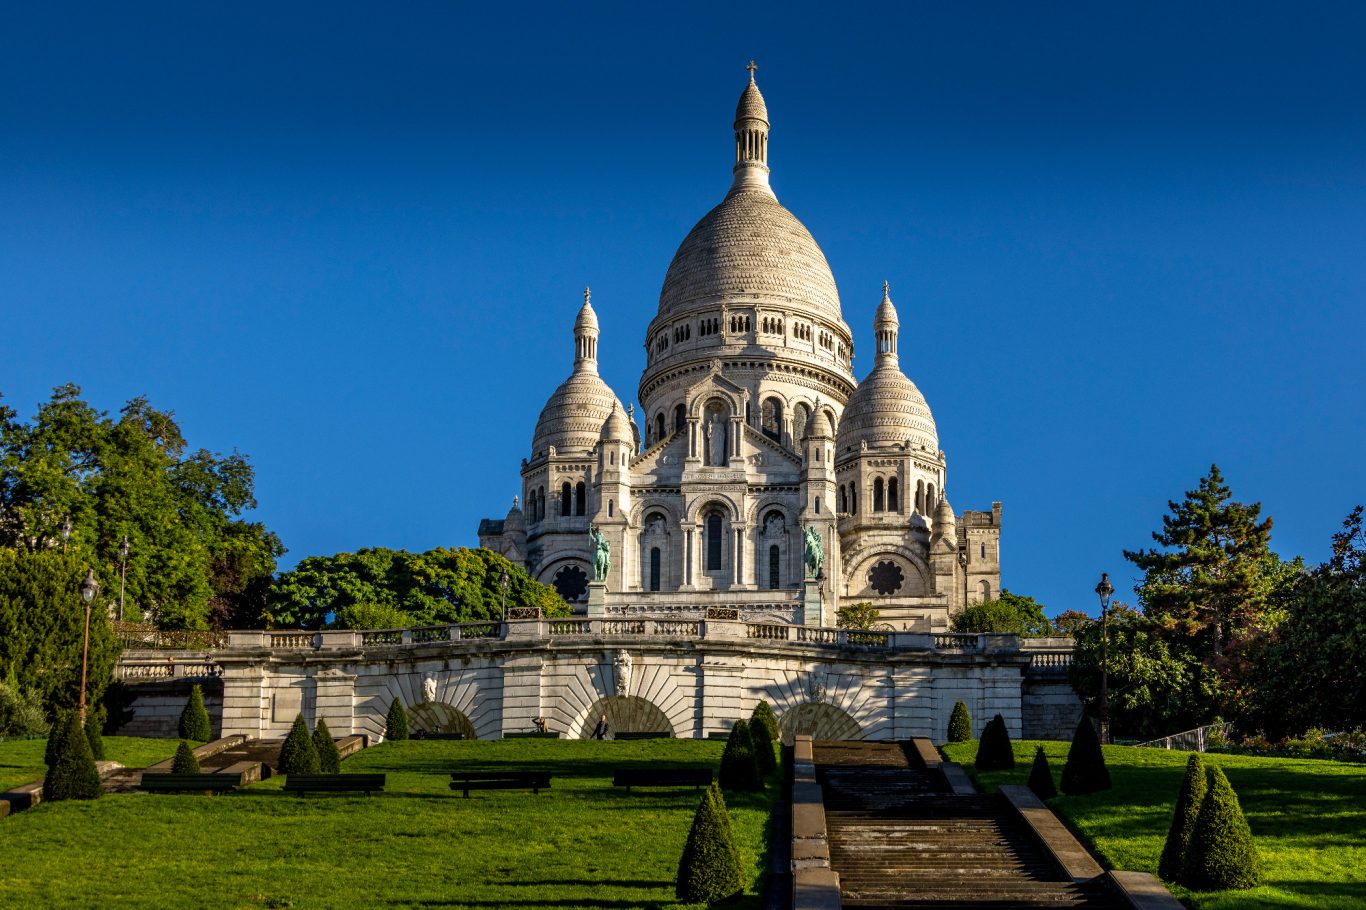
(329, 759)
(739, 767)
(764, 756)
(1172, 864)
(960, 723)
(709, 870)
(184, 761)
(1085, 771)
(1221, 855)
(194, 720)
(21, 713)
(396, 723)
(1041, 776)
(72, 774)
(763, 713)
(297, 755)
(93, 737)
(993, 751)
(54, 740)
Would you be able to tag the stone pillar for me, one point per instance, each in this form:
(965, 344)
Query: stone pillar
(811, 602)
(597, 599)
(521, 693)
(738, 561)
(243, 700)
(687, 559)
(334, 701)
(723, 682)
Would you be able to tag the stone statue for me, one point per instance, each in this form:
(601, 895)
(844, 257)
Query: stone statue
(815, 551)
(815, 685)
(623, 665)
(716, 441)
(602, 554)
(429, 687)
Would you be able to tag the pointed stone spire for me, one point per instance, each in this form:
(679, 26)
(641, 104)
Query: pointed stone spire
(885, 327)
(751, 138)
(586, 336)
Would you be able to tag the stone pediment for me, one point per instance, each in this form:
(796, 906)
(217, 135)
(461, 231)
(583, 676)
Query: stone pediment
(668, 452)
(776, 452)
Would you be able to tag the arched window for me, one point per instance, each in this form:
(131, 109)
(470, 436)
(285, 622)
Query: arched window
(580, 498)
(771, 418)
(680, 417)
(659, 426)
(853, 497)
(844, 500)
(892, 505)
(654, 568)
(984, 590)
(774, 563)
(877, 495)
(801, 416)
(920, 497)
(714, 542)
(930, 502)
(609, 508)
(566, 499)
(984, 551)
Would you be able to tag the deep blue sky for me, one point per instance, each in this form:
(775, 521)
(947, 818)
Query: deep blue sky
(1126, 241)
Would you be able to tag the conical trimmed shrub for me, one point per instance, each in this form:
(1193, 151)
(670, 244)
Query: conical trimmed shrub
(739, 768)
(396, 723)
(1171, 866)
(94, 738)
(297, 755)
(960, 723)
(1041, 776)
(194, 720)
(764, 756)
(72, 774)
(763, 714)
(329, 759)
(993, 750)
(54, 740)
(709, 870)
(1085, 771)
(184, 761)
(1221, 855)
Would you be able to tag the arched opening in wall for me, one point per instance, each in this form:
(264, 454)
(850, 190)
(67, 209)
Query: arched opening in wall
(801, 416)
(580, 498)
(571, 582)
(540, 504)
(659, 426)
(930, 501)
(655, 560)
(438, 717)
(715, 541)
(892, 504)
(984, 590)
(566, 499)
(626, 714)
(774, 568)
(844, 500)
(818, 720)
(611, 510)
(877, 495)
(680, 417)
(716, 434)
(920, 497)
(771, 419)
(853, 498)
(834, 425)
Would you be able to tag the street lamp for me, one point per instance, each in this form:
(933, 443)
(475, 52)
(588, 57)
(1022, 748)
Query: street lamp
(1104, 590)
(89, 588)
(66, 532)
(123, 571)
(503, 583)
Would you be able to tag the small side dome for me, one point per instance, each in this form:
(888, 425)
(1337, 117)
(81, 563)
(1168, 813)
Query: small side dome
(515, 520)
(616, 428)
(818, 426)
(572, 419)
(751, 106)
(943, 515)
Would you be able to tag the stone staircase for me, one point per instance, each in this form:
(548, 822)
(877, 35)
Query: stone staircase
(899, 839)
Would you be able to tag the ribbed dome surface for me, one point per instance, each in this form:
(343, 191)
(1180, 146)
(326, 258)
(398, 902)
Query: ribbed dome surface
(572, 419)
(885, 409)
(751, 106)
(749, 244)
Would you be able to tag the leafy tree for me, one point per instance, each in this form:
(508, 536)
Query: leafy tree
(710, 869)
(762, 737)
(1071, 622)
(298, 755)
(185, 761)
(194, 719)
(373, 616)
(21, 713)
(396, 722)
(862, 616)
(93, 737)
(960, 723)
(1085, 771)
(1188, 801)
(739, 767)
(1221, 855)
(1041, 776)
(329, 759)
(994, 752)
(72, 773)
(1008, 614)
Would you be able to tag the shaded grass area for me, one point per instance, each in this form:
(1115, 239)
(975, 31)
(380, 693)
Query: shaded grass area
(583, 843)
(21, 761)
(1308, 817)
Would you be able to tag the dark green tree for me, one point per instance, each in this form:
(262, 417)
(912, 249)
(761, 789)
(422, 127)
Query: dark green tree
(93, 737)
(763, 714)
(857, 616)
(764, 756)
(709, 870)
(194, 719)
(1085, 771)
(994, 752)
(184, 761)
(72, 775)
(1221, 855)
(739, 766)
(1041, 776)
(960, 724)
(1009, 613)
(396, 723)
(53, 747)
(1172, 864)
(329, 759)
(298, 755)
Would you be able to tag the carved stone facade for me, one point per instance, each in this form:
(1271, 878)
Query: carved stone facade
(754, 427)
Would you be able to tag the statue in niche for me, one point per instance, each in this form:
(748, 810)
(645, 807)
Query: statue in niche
(602, 554)
(429, 687)
(623, 665)
(714, 434)
(815, 685)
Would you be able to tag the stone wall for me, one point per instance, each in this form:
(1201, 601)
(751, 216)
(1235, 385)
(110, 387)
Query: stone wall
(1050, 707)
(157, 705)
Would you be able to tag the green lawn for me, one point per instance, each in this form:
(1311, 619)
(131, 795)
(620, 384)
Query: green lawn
(21, 761)
(580, 844)
(1308, 816)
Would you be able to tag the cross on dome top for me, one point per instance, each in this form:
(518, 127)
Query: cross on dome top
(752, 67)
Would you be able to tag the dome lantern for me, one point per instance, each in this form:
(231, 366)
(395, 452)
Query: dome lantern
(885, 326)
(586, 337)
(751, 138)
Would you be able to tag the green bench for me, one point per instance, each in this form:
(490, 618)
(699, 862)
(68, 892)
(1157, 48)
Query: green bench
(661, 777)
(441, 736)
(632, 734)
(154, 782)
(334, 783)
(535, 781)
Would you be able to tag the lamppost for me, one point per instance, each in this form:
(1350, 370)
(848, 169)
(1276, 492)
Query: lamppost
(503, 584)
(89, 588)
(1104, 590)
(66, 532)
(123, 571)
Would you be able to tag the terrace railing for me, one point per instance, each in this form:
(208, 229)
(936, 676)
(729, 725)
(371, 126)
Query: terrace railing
(1196, 740)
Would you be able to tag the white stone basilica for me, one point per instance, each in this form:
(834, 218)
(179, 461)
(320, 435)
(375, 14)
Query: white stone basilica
(754, 428)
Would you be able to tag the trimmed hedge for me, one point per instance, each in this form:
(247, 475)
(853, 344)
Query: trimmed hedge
(763, 713)
(739, 767)
(329, 759)
(194, 720)
(184, 761)
(1173, 862)
(1221, 855)
(993, 750)
(1085, 771)
(94, 738)
(709, 870)
(764, 756)
(1041, 776)
(960, 723)
(298, 755)
(396, 723)
(72, 774)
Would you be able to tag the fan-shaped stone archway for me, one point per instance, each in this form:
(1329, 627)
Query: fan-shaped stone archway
(820, 721)
(437, 717)
(626, 714)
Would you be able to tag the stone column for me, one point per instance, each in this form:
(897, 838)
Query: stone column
(738, 560)
(687, 558)
(334, 701)
(521, 693)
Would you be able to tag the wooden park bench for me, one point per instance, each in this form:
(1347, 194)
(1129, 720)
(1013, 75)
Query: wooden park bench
(632, 734)
(442, 736)
(535, 781)
(154, 782)
(334, 783)
(661, 777)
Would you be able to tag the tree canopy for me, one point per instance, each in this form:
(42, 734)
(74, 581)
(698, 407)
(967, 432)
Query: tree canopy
(1007, 614)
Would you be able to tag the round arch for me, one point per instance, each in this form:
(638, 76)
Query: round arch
(860, 561)
(625, 714)
(642, 507)
(439, 717)
(709, 393)
(551, 571)
(820, 720)
(699, 506)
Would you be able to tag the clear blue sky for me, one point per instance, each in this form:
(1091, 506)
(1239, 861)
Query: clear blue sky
(1126, 240)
